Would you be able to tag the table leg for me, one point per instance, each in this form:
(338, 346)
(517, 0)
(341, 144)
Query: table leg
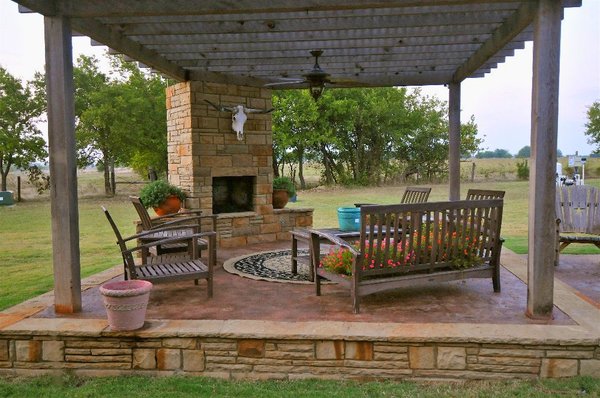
(294, 255)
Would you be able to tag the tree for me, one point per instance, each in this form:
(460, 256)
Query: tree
(21, 142)
(524, 152)
(593, 125)
(120, 120)
(496, 153)
(366, 136)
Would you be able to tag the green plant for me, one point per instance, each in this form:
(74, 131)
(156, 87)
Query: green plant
(285, 183)
(156, 192)
(522, 170)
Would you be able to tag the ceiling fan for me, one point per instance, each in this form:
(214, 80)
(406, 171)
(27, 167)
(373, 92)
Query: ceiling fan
(316, 78)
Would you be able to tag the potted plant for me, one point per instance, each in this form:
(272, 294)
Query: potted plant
(283, 190)
(162, 196)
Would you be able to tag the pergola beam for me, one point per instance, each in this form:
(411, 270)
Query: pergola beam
(454, 140)
(542, 188)
(63, 165)
(500, 38)
(117, 41)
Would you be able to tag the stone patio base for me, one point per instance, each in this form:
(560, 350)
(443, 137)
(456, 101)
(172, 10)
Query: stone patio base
(286, 351)
(261, 349)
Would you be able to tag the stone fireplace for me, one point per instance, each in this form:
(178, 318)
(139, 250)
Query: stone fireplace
(221, 174)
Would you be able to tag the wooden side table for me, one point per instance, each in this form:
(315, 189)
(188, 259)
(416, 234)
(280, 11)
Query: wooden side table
(303, 235)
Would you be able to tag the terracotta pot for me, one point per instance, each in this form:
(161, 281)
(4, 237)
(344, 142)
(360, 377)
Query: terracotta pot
(280, 198)
(170, 206)
(125, 303)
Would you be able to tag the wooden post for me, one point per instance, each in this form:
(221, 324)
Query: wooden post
(454, 140)
(63, 166)
(18, 188)
(542, 191)
(473, 172)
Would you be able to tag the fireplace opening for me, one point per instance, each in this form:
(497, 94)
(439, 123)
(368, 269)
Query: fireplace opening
(233, 194)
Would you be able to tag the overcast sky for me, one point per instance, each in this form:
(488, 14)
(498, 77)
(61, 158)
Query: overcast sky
(501, 101)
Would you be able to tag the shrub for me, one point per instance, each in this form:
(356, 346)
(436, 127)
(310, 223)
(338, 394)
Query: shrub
(156, 192)
(523, 170)
(285, 183)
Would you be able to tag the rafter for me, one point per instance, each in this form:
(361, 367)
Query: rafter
(500, 38)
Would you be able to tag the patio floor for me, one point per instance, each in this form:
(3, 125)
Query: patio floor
(470, 301)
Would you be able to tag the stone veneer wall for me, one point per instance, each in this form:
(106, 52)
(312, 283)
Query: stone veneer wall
(287, 359)
(202, 145)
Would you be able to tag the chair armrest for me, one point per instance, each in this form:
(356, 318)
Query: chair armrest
(184, 213)
(335, 240)
(193, 227)
(179, 220)
(170, 240)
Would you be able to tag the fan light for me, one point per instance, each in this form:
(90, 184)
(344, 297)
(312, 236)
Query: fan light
(316, 90)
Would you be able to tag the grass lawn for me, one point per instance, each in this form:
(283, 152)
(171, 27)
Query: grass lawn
(130, 387)
(26, 243)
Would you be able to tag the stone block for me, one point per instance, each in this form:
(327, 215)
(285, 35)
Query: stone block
(359, 350)
(421, 357)
(590, 367)
(4, 350)
(330, 349)
(144, 359)
(193, 360)
(451, 358)
(555, 368)
(53, 350)
(28, 350)
(270, 228)
(187, 343)
(168, 359)
(251, 348)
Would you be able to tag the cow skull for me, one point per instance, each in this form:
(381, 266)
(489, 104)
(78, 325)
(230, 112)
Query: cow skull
(238, 116)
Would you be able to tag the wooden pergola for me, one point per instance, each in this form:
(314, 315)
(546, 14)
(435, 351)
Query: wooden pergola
(366, 43)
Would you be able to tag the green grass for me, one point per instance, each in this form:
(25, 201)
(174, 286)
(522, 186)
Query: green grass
(131, 387)
(26, 242)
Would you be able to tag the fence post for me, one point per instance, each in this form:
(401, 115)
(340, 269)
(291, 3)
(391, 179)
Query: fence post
(473, 172)
(18, 188)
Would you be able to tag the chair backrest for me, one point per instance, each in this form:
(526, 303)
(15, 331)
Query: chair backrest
(577, 207)
(415, 195)
(128, 261)
(481, 194)
(142, 212)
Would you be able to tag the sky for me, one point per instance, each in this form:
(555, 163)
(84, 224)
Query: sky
(500, 102)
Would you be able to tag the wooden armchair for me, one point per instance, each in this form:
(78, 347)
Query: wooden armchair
(416, 195)
(411, 195)
(168, 268)
(182, 219)
(577, 216)
(483, 194)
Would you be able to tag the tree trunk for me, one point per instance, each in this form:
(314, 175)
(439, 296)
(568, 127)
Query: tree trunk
(301, 168)
(4, 172)
(275, 166)
(107, 189)
(113, 182)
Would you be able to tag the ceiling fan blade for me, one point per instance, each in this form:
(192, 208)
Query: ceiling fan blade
(284, 82)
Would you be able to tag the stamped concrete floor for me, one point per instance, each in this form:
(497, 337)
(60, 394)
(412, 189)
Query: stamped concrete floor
(470, 301)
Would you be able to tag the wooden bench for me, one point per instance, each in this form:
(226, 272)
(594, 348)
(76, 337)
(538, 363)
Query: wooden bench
(428, 242)
(577, 216)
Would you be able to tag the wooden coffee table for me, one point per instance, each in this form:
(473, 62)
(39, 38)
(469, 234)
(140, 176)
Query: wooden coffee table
(303, 235)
